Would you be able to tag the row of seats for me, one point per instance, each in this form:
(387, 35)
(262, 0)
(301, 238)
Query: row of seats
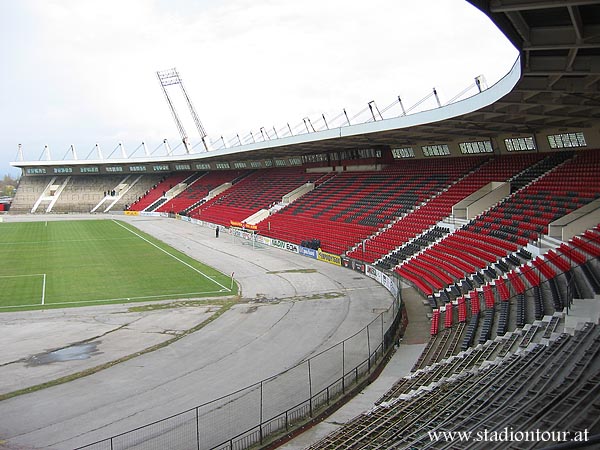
(370, 199)
(440, 207)
(523, 382)
(159, 190)
(255, 191)
(547, 291)
(480, 249)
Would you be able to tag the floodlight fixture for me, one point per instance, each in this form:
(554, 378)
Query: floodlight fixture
(171, 77)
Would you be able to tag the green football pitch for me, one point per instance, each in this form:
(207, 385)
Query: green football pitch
(90, 262)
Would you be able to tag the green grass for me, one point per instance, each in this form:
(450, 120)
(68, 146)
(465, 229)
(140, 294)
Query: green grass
(88, 262)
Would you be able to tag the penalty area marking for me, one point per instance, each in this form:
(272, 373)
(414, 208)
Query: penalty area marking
(43, 299)
(173, 256)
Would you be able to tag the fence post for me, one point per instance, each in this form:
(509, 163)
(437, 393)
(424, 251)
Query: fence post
(343, 367)
(369, 347)
(260, 423)
(382, 334)
(197, 430)
(310, 401)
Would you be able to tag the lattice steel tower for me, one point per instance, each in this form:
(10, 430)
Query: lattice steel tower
(169, 78)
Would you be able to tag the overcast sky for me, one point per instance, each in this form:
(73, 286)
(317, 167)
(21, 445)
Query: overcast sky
(84, 71)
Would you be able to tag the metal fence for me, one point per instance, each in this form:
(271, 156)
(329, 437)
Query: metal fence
(274, 406)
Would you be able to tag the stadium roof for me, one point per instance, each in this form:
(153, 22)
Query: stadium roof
(559, 42)
(555, 84)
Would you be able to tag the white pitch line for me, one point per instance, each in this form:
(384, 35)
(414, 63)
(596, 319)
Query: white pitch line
(28, 275)
(173, 296)
(65, 241)
(44, 289)
(172, 256)
(43, 275)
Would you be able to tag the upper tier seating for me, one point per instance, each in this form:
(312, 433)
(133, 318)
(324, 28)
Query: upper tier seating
(158, 190)
(440, 207)
(351, 206)
(259, 190)
(565, 189)
(198, 189)
(517, 220)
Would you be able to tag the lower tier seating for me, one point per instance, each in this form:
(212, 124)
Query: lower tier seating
(551, 387)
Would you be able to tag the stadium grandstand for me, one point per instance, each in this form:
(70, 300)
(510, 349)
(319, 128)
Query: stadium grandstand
(486, 209)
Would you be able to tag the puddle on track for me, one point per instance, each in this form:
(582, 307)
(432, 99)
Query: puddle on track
(72, 353)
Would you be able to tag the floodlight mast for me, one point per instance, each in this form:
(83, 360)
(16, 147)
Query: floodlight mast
(171, 77)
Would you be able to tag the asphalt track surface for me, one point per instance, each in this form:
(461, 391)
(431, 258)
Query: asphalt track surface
(291, 308)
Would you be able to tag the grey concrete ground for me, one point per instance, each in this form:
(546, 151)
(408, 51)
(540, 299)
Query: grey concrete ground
(30, 338)
(292, 307)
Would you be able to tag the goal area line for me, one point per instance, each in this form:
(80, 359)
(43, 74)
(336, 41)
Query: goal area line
(43, 294)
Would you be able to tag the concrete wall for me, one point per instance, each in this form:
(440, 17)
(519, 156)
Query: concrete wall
(480, 200)
(576, 222)
(297, 193)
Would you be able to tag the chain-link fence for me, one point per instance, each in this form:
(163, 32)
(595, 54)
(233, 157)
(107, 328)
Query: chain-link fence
(274, 406)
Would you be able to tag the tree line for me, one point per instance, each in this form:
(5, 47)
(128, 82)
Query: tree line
(8, 186)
